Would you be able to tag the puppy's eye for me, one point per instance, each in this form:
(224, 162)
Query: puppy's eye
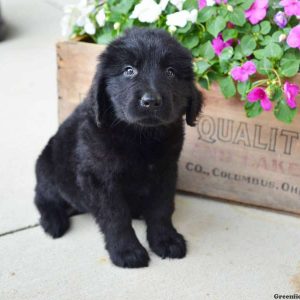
(170, 72)
(130, 71)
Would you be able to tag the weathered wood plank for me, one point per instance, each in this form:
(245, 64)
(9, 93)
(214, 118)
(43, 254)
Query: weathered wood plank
(254, 161)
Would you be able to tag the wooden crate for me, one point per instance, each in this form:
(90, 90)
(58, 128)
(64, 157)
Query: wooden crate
(253, 161)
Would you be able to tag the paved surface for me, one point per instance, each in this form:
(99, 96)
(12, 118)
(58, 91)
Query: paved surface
(235, 252)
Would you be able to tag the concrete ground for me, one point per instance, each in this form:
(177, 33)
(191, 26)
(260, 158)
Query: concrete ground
(234, 252)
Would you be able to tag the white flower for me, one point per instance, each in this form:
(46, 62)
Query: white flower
(100, 17)
(147, 11)
(78, 15)
(193, 15)
(229, 8)
(69, 19)
(163, 4)
(84, 14)
(66, 29)
(210, 2)
(89, 27)
(282, 38)
(117, 25)
(178, 3)
(172, 29)
(181, 18)
(81, 20)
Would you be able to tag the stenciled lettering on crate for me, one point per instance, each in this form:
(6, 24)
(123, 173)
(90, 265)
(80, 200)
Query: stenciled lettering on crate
(243, 160)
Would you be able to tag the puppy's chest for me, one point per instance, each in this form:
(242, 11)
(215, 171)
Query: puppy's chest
(151, 158)
(140, 178)
(146, 162)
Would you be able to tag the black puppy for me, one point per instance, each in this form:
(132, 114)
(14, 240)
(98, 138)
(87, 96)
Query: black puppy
(116, 155)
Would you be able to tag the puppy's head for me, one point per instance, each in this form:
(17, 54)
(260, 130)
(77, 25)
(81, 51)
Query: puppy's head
(146, 78)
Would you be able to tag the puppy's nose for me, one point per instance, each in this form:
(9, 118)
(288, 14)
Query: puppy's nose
(150, 101)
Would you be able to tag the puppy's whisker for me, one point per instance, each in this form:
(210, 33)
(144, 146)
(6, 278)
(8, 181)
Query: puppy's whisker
(141, 134)
(107, 109)
(121, 91)
(116, 122)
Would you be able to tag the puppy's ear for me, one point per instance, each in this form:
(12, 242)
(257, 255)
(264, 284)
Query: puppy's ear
(98, 96)
(194, 106)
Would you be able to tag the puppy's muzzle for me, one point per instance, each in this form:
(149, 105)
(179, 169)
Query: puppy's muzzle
(151, 101)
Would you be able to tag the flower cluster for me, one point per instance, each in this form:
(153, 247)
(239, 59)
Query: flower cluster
(250, 47)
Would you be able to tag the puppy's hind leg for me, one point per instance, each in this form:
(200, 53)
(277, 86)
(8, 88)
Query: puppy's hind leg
(54, 217)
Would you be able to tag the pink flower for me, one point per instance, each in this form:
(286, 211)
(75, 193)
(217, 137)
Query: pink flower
(218, 44)
(291, 91)
(291, 7)
(280, 19)
(242, 73)
(259, 94)
(257, 11)
(293, 39)
(201, 3)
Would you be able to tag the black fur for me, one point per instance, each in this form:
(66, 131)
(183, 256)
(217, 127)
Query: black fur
(117, 159)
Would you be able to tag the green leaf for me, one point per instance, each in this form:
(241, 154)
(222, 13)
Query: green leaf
(289, 67)
(253, 109)
(215, 26)
(128, 23)
(196, 52)
(170, 9)
(206, 51)
(246, 4)
(284, 113)
(238, 54)
(224, 66)
(264, 41)
(264, 66)
(235, 2)
(115, 16)
(243, 88)
(227, 86)
(204, 83)
(189, 4)
(206, 13)
(248, 44)
(275, 36)
(105, 38)
(265, 27)
(185, 29)
(223, 11)
(237, 17)
(123, 7)
(277, 93)
(256, 28)
(228, 34)
(212, 76)
(292, 54)
(259, 54)
(226, 54)
(273, 50)
(202, 66)
(190, 41)
(246, 28)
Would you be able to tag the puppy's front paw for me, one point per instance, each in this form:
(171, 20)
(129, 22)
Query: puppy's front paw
(167, 244)
(55, 224)
(133, 256)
